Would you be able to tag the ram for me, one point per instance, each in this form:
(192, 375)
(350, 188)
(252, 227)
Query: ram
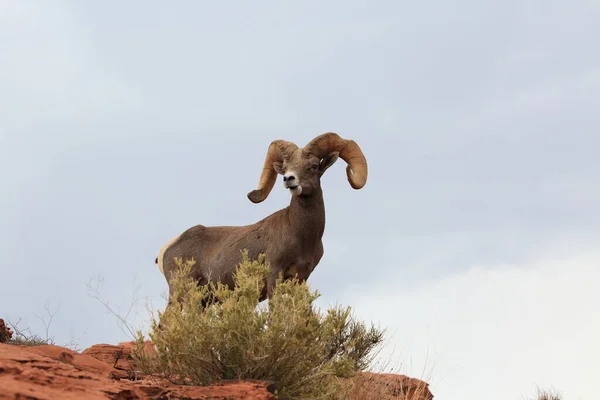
(290, 238)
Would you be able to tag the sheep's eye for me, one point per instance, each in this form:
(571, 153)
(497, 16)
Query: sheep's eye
(314, 167)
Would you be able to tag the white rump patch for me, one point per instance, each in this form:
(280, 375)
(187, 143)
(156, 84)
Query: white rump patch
(161, 254)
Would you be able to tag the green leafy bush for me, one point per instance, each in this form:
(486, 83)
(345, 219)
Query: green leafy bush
(307, 353)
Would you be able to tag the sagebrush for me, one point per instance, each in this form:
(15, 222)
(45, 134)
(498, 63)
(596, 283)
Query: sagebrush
(285, 339)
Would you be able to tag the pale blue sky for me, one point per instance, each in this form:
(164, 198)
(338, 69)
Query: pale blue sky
(123, 124)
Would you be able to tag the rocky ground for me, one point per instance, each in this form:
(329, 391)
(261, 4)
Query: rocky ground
(106, 372)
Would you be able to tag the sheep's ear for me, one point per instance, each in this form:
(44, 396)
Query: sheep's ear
(278, 167)
(328, 161)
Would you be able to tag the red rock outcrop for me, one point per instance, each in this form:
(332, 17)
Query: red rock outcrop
(51, 372)
(119, 356)
(368, 385)
(5, 332)
(102, 372)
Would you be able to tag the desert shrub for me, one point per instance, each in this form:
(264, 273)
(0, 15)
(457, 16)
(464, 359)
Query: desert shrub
(547, 395)
(287, 340)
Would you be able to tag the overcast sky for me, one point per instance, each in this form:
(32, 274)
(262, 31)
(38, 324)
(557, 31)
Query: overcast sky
(475, 240)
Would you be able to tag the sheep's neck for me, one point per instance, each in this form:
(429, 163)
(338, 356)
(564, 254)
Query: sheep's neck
(307, 216)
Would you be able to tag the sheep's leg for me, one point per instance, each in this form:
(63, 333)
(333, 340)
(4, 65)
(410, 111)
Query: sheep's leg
(271, 282)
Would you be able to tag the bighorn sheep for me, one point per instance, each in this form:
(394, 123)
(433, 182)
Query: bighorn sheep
(290, 238)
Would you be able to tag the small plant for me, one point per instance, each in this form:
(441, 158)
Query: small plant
(547, 395)
(307, 353)
(24, 337)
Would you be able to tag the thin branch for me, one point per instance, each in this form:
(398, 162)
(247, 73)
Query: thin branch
(124, 325)
(49, 323)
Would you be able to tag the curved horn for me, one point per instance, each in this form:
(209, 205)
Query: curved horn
(357, 169)
(278, 151)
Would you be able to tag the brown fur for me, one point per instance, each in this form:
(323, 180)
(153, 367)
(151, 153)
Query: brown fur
(290, 238)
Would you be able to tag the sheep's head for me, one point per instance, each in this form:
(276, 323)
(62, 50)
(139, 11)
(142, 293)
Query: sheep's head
(302, 168)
